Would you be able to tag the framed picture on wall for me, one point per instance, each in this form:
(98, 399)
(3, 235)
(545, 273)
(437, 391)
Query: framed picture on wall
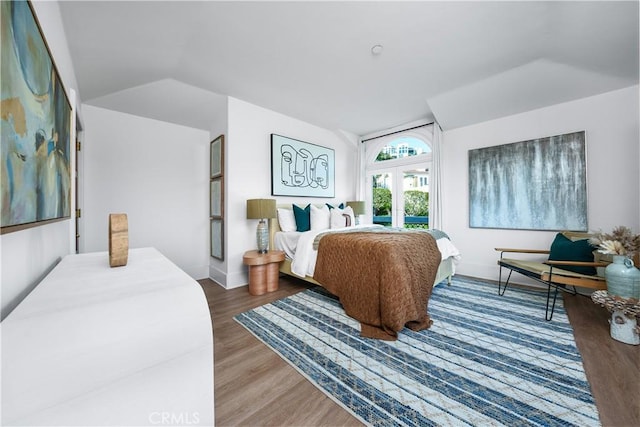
(217, 156)
(539, 184)
(35, 163)
(216, 187)
(302, 169)
(217, 239)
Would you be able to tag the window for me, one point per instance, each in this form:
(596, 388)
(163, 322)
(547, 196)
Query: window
(403, 147)
(397, 178)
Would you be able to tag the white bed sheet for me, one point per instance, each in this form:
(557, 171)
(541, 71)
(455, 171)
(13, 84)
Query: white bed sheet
(298, 246)
(287, 241)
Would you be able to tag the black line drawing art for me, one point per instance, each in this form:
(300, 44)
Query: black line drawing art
(301, 169)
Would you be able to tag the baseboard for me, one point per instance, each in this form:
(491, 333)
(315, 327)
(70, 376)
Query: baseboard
(228, 280)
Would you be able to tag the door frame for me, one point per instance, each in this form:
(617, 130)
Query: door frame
(371, 167)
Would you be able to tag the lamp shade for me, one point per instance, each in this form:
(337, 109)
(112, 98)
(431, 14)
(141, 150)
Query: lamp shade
(357, 206)
(261, 208)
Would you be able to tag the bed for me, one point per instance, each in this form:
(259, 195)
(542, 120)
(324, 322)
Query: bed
(384, 295)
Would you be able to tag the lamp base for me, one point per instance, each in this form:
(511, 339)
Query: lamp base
(262, 237)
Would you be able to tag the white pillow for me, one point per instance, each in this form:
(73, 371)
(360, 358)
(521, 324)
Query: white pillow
(338, 219)
(320, 218)
(352, 216)
(286, 219)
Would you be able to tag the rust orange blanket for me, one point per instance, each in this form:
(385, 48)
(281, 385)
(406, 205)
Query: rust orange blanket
(383, 280)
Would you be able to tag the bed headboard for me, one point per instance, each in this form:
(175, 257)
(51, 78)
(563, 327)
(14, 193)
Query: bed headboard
(274, 225)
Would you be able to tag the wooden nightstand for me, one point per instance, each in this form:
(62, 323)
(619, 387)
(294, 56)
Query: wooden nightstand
(263, 270)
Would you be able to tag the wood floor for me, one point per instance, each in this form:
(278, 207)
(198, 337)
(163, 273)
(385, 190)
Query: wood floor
(255, 387)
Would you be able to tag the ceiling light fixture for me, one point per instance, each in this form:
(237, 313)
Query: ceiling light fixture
(377, 49)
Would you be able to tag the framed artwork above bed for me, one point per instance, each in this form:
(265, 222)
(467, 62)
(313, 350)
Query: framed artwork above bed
(301, 169)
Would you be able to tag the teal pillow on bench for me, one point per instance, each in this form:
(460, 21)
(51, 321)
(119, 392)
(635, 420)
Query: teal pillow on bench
(565, 249)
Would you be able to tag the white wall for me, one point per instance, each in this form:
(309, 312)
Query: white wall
(248, 176)
(613, 178)
(155, 172)
(28, 255)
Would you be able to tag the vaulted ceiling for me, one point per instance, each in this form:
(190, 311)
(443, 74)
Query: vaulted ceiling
(460, 62)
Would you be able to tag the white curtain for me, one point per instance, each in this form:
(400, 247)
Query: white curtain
(435, 187)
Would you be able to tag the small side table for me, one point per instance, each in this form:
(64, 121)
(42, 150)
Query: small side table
(625, 313)
(263, 270)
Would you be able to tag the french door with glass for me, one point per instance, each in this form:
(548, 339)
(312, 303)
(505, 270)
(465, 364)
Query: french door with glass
(399, 196)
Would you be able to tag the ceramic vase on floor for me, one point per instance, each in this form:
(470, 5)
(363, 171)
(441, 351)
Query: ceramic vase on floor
(624, 328)
(623, 278)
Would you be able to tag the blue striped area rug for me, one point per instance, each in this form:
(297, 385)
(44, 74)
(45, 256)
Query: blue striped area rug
(486, 361)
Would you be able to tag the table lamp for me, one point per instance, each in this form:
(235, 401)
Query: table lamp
(358, 209)
(261, 209)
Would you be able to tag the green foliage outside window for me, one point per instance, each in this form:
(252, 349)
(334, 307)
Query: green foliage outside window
(417, 226)
(383, 156)
(381, 201)
(416, 203)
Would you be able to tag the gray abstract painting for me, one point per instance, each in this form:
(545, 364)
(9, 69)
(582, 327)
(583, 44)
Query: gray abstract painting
(540, 184)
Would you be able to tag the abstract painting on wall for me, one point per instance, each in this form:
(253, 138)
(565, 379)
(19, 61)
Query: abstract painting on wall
(301, 169)
(540, 184)
(35, 127)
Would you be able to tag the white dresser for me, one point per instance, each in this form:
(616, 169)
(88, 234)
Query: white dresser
(94, 345)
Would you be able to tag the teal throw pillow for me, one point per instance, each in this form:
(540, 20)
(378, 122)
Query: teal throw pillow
(303, 217)
(341, 206)
(564, 249)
